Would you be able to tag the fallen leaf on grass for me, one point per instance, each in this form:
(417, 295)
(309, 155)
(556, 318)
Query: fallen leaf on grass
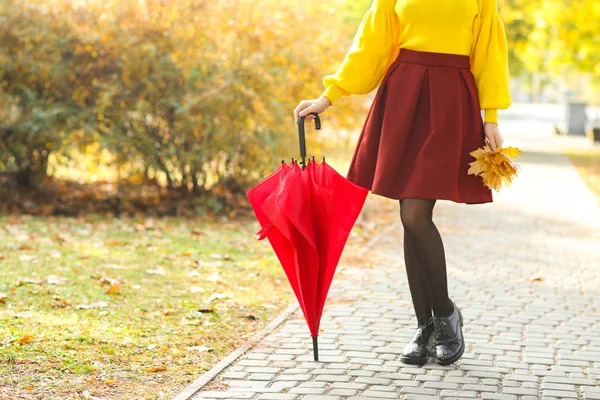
(61, 238)
(200, 263)
(114, 266)
(140, 227)
(56, 280)
(193, 273)
(536, 278)
(198, 232)
(33, 281)
(59, 303)
(193, 322)
(219, 296)
(186, 254)
(199, 349)
(100, 304)
(156, 369)
(196, 289)
(225, 257)
(109, 381)
(87, 396)
(56, 254)
(114, 285)
(158, 271)
(251, 317)
(27, 258)
(115, 288)
(206, 311)
(2, 257)
(27, 247)
(26, 339)
(214, 278)
(3, 297)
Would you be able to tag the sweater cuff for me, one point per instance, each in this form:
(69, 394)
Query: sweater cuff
(333, 92)
(491, 115)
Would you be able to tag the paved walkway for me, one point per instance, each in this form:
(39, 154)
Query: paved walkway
(525, 271)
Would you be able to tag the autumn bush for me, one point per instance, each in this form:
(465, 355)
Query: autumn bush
(193, 95)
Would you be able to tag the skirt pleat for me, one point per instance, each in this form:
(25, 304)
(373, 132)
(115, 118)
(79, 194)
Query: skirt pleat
(422, 125)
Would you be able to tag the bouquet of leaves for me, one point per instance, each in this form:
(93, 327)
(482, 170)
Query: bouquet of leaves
(495, 167)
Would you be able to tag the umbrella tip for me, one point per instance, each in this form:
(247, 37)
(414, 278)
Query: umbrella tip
(282, 161)
(323, 158)
(315, 347)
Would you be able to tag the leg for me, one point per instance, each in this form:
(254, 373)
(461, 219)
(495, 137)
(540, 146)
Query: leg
(417, 351)
(419, 289)
(427, 245)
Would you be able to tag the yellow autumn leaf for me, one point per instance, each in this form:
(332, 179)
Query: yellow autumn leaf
(477, 167)
(156, 369)
(511, 151)
(26, 339)
(115, 288)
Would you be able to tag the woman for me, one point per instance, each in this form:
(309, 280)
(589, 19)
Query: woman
(437, 64)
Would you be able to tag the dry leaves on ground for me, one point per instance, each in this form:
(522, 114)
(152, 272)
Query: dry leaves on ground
(99, 304)
(536, 278)
(157, 271)
(199, 349)
(87, 396)
(156, 369)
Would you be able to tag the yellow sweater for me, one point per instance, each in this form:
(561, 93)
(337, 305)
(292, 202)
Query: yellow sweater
(465, 27)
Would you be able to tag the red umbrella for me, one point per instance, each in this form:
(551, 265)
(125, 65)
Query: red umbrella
(307, 213)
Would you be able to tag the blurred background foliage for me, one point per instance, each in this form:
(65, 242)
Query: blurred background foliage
(196, 96)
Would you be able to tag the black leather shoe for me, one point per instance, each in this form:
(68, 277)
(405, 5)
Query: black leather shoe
(449, 340)
(417, 351)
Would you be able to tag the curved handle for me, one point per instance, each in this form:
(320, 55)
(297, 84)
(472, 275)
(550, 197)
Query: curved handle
(302, 135)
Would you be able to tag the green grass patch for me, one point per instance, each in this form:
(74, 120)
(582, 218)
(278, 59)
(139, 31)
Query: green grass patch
(185, 293)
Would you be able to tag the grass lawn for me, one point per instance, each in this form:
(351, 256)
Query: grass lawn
(587, 162)
(127, 308)
(133, 308)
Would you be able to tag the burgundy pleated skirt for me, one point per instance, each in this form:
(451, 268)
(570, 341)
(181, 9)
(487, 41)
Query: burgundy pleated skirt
(422, 125)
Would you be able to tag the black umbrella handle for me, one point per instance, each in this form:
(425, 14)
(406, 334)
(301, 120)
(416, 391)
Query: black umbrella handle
(302, 135)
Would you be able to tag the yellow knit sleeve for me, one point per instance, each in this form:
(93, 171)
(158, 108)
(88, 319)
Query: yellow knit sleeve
(374, 48)
(489, 60)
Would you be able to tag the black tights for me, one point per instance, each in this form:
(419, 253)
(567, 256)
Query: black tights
(425, 259)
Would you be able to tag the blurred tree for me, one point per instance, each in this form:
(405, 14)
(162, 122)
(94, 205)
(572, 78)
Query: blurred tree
(194, 93)
(553, 38)
(38, 73)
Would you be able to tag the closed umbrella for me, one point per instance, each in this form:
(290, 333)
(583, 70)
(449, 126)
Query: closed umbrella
(306, 211)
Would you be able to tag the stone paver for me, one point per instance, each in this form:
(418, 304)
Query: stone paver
(525, 271)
